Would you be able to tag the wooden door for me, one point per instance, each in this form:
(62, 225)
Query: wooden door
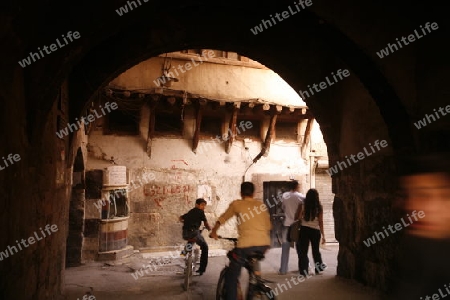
(273, 193)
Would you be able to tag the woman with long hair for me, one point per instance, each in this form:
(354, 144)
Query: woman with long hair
(311, 216)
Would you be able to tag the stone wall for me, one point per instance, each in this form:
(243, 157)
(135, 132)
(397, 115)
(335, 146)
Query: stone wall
(382, 100)
(165, 185)
(76, 228)
(35, 193)
(323, 186)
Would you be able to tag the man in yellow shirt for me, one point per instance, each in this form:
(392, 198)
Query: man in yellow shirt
(254, 227)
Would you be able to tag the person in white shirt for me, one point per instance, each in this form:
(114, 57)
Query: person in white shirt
(291, 202)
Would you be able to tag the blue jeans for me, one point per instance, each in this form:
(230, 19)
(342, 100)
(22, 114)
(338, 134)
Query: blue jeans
(200, 240)
(234, 269)
(285, 249)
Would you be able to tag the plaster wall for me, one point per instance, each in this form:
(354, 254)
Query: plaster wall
(212, 80)
(180, 176)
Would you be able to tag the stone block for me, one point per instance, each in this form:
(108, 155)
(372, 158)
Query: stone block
(90, 244)
(116, 254)
(91, 228)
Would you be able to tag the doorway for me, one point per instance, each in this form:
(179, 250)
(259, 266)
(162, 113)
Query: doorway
(273, 193)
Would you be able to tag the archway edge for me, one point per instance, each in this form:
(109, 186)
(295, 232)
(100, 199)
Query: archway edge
(316, 60)
(156, 28)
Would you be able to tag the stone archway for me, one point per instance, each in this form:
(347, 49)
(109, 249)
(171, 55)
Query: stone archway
(361, 110)
(376, 102)
(76, 213)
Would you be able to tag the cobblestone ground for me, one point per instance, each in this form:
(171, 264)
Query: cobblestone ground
(114, 280)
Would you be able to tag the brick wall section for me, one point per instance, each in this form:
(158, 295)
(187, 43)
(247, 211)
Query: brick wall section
(323, 186)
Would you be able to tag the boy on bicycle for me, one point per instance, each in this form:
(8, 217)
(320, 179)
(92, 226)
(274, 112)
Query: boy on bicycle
(254, 227)
(192, 221)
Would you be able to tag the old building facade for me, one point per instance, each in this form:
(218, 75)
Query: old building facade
(192, 139)
(89, 45)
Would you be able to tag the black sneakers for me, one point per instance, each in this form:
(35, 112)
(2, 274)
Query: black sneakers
(319, 271)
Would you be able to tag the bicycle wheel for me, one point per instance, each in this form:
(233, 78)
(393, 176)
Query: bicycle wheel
(220, 291)
(188, 272)
(196, 257)
(240, 295)
(264, 293)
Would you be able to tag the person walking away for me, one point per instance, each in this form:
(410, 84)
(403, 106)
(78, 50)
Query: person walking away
(291, 202)
(311, 215)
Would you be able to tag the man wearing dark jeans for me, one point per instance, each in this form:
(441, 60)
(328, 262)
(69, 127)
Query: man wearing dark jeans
(254, 233)
(192, 221)
(236, 264)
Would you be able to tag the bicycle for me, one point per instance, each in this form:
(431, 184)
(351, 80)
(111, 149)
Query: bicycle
(257, 288)
(190, 261)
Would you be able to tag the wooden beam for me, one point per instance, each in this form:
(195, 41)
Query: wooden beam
(171, 100)
(246, 108)
(214, 105)
(202, 101)
(299, 132)
(279, 108)
(307, 137)
(198, 122)
(151, 125)
(270, 133)
(232, 128)
(286, 111)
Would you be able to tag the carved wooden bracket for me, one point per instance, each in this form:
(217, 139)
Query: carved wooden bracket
(198, 122)
(232, 129)
(270, 133)
(307, 137)
(151, 124)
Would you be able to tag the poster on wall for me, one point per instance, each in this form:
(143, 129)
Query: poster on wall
(115, 175)
(204, 191)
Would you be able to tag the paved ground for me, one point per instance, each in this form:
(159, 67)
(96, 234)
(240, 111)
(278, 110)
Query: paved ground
(111, 281)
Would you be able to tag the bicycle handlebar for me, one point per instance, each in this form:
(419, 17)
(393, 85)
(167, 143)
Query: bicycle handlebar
(229, 239)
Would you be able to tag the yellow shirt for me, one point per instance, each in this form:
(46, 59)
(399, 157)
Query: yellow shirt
(253, 221)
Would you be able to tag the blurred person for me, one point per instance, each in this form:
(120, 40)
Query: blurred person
(192, 221)
(422, 264)
(311, 216)
(291, 202)
(253, 225)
